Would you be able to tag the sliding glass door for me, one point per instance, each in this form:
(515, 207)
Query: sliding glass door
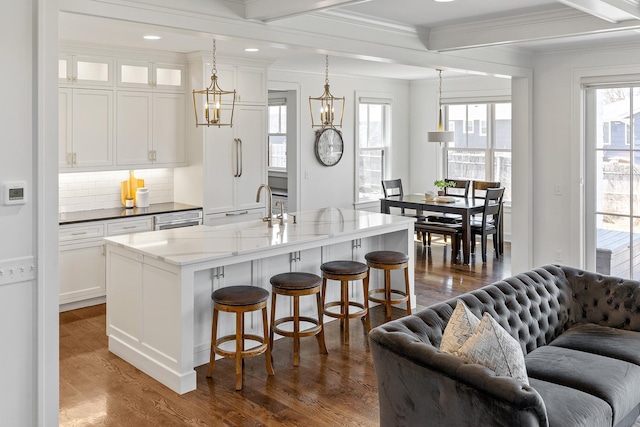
(613, 179)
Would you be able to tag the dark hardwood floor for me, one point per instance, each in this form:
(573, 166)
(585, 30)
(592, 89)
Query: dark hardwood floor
(336, 389)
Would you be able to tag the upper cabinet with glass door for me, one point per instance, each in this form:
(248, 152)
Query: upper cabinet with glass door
(85, 70)
(151, 75)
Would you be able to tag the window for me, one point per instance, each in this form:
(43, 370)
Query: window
(374, 118)
(277, 137)
(482, 144)
(612, 178)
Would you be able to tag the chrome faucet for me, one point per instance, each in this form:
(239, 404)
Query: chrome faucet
(268, 219)
(281, 214)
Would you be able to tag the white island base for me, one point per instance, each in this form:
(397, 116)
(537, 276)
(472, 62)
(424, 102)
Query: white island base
(159, 283)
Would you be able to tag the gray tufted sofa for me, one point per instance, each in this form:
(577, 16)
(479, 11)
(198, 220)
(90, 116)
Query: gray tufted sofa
(579, 331)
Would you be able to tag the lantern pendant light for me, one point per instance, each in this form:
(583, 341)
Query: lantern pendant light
(215, 105)
(440, 135)
(327, 106)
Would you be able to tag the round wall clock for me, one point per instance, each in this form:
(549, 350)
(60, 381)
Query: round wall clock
(329, 146)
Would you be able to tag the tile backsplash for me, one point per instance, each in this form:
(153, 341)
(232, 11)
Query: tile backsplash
(84, 191)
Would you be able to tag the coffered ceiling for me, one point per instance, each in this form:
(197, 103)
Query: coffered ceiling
(364, 36)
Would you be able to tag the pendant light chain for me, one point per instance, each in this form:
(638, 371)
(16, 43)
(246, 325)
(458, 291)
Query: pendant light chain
(326, 70)
(214, 70)
(440, 89)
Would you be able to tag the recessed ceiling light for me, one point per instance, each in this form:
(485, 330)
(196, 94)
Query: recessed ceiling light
(443, 1)
(152, 37)
(251, 49)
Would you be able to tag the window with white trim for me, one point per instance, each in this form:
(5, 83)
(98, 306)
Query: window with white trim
(481, 149)
(277, 135)
(374, 141)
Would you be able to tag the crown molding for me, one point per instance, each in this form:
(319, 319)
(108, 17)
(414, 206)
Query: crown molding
(548, 24)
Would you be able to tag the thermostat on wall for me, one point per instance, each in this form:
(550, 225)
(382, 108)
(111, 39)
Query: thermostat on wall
(14, 193)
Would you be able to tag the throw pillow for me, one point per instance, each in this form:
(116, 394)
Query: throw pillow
(461, 326)
(492, 346)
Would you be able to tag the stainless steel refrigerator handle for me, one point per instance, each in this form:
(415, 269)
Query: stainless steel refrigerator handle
(235, 172)
(240, 153)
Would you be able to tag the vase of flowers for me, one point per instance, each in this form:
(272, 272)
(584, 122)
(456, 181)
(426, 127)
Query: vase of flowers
(442, 184)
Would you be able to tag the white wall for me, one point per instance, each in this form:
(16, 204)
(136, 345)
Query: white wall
(17, 300)
(25, 400)
(557, 146)
(335, 186)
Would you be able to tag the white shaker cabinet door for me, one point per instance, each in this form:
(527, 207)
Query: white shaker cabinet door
(65, 128)
(134, 130)
(92, 127)
(251, 133)
(169, 131)
(82, 271)
(220, 169)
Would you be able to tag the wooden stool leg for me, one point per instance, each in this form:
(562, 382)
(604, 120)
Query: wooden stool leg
(408, 288)
(214, 335)
(296, 330)
(273, 318)
(366, 319)
(320, 335)
(267, 353)
(387, 292)
(344, 309)
(239, 348)
(324, 293)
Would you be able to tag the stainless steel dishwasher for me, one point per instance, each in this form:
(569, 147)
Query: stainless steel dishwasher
(177, 219)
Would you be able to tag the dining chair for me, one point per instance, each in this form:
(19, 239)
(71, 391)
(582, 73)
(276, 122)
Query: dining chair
(490, 221)
(479, 188)
(478, 191)
(393, 187)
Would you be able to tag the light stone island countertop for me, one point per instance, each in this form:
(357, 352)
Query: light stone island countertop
(189, 245)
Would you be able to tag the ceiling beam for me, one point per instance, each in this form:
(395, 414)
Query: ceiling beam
(542, 25)
(610, 10)
(271, 10)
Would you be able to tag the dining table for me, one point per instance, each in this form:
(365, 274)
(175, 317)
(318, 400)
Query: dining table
(465, 207)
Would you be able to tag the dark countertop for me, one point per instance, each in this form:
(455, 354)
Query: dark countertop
(115, 213)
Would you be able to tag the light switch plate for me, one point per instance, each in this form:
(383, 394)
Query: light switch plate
(17, 270)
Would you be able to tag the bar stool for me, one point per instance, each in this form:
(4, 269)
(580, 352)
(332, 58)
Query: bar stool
(345, 271)
(240, 300)
(296, 285)
(387, 261)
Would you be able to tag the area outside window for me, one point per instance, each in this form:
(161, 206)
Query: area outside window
(481, 149)
(373, 145)
(277, 137)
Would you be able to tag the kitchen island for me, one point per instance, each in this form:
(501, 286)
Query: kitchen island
(159, 283)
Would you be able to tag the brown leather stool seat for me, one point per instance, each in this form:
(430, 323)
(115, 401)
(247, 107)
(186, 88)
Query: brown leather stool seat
(387, 261)
(295, 285)
(346, 271)
(240, 300)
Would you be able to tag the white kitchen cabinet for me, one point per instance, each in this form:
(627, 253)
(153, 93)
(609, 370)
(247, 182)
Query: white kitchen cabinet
(129, 226)
(85, 128)
(150, 129)
(250, 83)
(151, 75)
(234, 163)
(82, 262)
(85, 70)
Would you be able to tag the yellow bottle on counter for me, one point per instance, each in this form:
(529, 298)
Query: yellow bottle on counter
(129, 188)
